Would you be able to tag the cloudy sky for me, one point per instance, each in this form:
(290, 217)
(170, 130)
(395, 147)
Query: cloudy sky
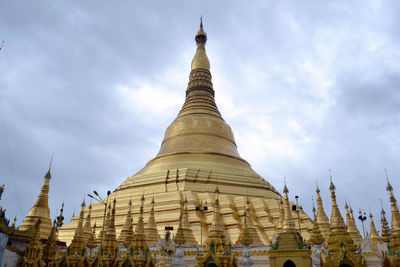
(305, 86)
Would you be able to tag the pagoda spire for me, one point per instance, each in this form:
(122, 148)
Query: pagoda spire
(180, 233)
(281, 217)
(337, 222)
(217, 224)
(288, 223)
(322, 218)
(151, 231)
(289, 241)
(340, 244)
(216, 240)
(102, 234)
(246, 240)
(40, 210)
(92, 242)
(245, 237)
(87, 227)
(200, 59)
(217, 246)
(110, 236)
(200, 92)
(374, 236)
(394, 207)
(126, 235)
(338, 233)
(210, 135)
(351, 226)
(139, 244)
(250, 225)
(187, 229)
(316, 237)
(385, 235)
(179, 239)
(395, 233)
(78, 242)
(289, 238)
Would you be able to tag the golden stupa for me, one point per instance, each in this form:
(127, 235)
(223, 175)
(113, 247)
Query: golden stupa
(40, 211)
(198, 155)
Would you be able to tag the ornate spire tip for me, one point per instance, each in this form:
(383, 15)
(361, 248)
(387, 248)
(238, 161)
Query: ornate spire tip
(48, 174)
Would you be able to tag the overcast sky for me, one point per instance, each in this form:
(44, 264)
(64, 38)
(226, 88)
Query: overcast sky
(305, 86)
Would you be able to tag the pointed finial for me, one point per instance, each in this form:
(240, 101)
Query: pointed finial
(51, 160)
(201, 36)
(389, 187)
(48, 174)
(382, 210)
(285, 189)
(331, 186)
(83, 203)
(141, 204)
(316, 182)
(200, 59)
(314, 210)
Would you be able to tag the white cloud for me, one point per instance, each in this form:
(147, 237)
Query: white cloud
(148, 100)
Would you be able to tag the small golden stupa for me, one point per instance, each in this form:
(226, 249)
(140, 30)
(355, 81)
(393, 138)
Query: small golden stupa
(40, 211)
(197, 155)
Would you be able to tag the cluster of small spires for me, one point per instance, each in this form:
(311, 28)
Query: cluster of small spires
(331, 232)
(108, 246)
(325, 231)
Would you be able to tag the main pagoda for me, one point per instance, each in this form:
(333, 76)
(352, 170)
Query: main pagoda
(197, 156)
